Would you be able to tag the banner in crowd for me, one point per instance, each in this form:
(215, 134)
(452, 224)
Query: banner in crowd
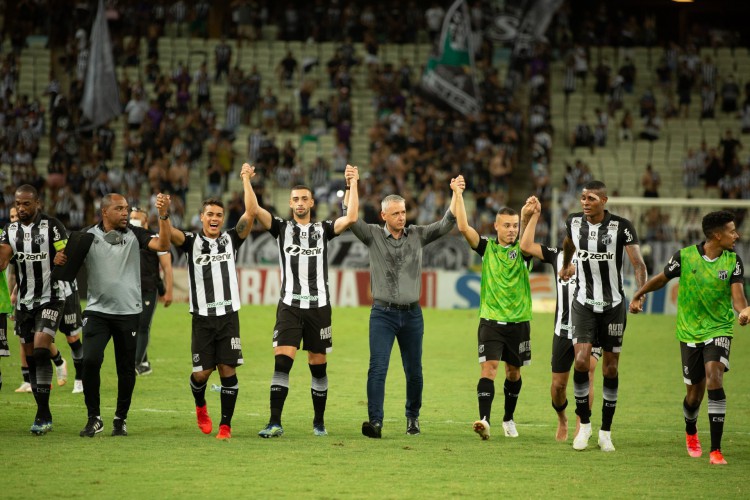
(100, 102)
(450, 72)
(519, 23)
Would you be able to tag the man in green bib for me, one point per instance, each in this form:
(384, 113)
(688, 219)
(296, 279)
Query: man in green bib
(711, 285)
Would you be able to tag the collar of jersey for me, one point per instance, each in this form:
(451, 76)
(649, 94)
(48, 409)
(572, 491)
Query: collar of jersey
(101, 228)
(388, 233)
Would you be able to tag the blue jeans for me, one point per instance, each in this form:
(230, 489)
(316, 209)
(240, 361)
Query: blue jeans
(407, 327)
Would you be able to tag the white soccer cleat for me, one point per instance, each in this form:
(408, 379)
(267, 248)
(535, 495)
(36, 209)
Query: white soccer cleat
(581, 442)
(78, 387)
(62, 373)
(605, 441)
(24, 387)
(509, 428)
(482, 427)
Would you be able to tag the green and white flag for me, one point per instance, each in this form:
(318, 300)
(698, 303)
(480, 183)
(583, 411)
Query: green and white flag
(450, 72)
(100, 102)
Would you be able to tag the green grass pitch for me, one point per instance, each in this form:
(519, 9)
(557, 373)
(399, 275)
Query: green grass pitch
(166, 456)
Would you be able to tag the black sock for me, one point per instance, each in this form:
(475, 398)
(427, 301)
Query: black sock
(691, 417)
(229, 389)
(1, 381)
(717, 409)
(560, 408)
(76, 351)
(609, 401)
(32, 374)
(319, 391)
(511, 390)
(485, 395)
(581, 392)
(25, 374)
(279, 386)
(199, 391)
(43, 381)
(58, 360)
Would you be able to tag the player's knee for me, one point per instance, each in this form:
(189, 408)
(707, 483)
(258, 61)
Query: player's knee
(41, 355)
(283, 363)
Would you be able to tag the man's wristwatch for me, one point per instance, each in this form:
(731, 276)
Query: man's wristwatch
(164, 217)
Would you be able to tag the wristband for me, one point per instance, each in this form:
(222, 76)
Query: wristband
(164, 217)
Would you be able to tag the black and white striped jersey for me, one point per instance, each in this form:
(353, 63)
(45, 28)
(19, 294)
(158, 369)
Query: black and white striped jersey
(34, 248)
(565, 291)
(303, 259)
(212, 272)
(599, 254)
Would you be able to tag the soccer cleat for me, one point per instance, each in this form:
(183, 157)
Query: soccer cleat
(225, 432)
(319, 429)
(581, 440)
(693, 445)
(78, 386)
(509, 428)
(372, 429)
(62, 373)
(605, 441)
(717, 458)
(119, 427)
(41, 427)
(93, 426)
(143, 369)
(204, 420)
(271, 431)
(412, 426)
(482, 427)
(24, 387)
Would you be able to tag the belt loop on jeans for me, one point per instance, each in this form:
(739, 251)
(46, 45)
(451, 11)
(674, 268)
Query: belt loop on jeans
(392, 305)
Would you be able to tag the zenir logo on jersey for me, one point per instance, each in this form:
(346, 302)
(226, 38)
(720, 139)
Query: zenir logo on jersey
(207, 258)
(586, 255)
(31, 257)
(723, 274)
(295, 250)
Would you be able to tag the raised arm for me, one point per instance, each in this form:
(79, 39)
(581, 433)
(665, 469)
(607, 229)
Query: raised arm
(251, 202)
(444, 226)
(532, 209)
(462, 220)
(351, 201)
(245, 224)
(161, 243)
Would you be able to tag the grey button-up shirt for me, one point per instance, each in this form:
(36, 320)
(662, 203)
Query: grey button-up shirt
(396, 264)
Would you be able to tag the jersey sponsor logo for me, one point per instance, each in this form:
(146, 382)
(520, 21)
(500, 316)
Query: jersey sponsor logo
(723, 274)
(133, 333)
(236, 343)
(26, 301)
(593, 235)
(50, 314)
(607, 239)
(31, 257)
(613, 225)
(628, 235)
(615, 329)
(299, 296)
(219, 303)
(512, 254)
(56, 233)
(552, 250)
(27, 237)
(586, 255)
(575, 223)
(673, 264)
(325, 333)
(207, 258)
(600, 303)
(737, 270)
(295, 250)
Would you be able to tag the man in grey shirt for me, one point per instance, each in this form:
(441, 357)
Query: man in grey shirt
(396, 282)
(113, 266)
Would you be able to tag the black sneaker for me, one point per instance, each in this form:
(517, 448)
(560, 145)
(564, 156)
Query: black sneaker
(119, 427)
(93, 426)
(143, 369)
(372, 429)
(412, 426)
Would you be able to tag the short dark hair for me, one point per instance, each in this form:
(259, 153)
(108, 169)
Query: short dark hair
(211, 201)
(714, 221)
(506, 211)
(595, 186)
(28, 188)
(299, 187)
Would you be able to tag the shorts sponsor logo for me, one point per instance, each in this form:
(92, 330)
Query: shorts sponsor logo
(615, 329)
(71, 318)
(586, 255)
(524, 347)
(219, 303)
(31, 257)
(724, 342)
(196, 358)
(325, 333)
(600, 303)
(206, 258)
(50, 314)
(236, 343)
(723, 274)
(295, 250)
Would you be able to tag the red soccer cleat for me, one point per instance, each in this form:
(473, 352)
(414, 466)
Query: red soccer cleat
(717, 458)
(693, 445)
(225, 432)
(204, 421)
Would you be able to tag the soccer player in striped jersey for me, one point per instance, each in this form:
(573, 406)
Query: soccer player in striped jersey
(33, 241)
(711, 288)
(504, 332)
(562, 341)
(303, 317)
(599, 241)
(214, 302)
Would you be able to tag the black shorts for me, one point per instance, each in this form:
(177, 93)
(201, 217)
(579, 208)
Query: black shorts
(216, 340)
(695, 357)
(71, 321)
(563, 354)
(605, 329)
(45, 318)
(310, 328)
(509, 342)
(4, 348)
